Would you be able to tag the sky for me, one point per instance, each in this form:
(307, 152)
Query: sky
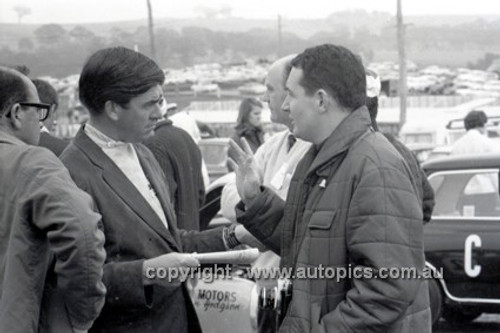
(87, 11)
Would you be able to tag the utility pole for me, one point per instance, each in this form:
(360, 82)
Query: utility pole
(280, 45)
(402, 90)
(151, 31)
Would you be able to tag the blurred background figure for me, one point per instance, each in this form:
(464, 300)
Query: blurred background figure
(475, 140)
(182, 119)
(424, 189)
(77, 116)
(48, 95)
(276, 160)
(249, 123)
(180, 158)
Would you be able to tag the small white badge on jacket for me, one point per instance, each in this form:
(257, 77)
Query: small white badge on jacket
(322, 184)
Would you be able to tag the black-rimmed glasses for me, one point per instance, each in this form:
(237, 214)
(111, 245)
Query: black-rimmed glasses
(42, 109)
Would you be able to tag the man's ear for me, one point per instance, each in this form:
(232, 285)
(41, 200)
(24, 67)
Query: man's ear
(16, 116)
(323, 100)
(112, 109)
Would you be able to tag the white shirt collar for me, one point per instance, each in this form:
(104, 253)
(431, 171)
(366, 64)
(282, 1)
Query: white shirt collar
(101, 139)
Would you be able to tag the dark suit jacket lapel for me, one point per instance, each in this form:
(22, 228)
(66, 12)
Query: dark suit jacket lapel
(122, 186)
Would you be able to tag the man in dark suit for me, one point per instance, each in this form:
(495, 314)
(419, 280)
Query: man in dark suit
(48, 95)
(122, 89)
(180, 158)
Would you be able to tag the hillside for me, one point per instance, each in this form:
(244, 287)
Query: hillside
(450, 41)
(374, 22)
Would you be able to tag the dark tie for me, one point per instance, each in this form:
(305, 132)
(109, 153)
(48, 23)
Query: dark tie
(291, 141)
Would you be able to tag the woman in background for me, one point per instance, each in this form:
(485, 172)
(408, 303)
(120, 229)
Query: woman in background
(249, 124)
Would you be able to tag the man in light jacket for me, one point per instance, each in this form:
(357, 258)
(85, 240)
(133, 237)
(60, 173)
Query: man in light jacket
(51, 250)
(276, 160)
(352, 209)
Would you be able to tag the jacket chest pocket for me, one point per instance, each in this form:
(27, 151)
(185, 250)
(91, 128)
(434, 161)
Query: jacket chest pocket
(320, 223)
(318, 243)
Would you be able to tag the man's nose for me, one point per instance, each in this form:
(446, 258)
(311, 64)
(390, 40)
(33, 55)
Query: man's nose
(285, 106)
(158, 112)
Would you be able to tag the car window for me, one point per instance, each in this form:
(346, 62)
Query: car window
(466, 193)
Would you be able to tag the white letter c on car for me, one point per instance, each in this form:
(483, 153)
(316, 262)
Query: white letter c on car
(470, 241)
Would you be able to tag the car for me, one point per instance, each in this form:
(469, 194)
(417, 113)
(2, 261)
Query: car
(214, 153)
(422, 151)
(205, 87)
(210, 215)
(252, 89)
(440, 151)
(462, 240)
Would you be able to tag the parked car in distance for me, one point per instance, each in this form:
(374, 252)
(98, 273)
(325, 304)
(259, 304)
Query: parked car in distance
(214, 153)
(205, 87)
(252, 88)
(462, 241)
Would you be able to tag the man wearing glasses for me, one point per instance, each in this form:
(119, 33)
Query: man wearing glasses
(51, 249)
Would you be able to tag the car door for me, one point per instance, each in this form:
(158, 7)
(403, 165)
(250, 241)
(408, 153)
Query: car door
(463, 237)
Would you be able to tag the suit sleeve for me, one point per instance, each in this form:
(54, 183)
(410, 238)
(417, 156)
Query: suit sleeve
(383, 230)
(65, 214)
(202, 241)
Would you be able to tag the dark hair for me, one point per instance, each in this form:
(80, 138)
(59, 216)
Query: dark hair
(246, 106)
(46, 92)
(116, 74)
(335, 69)
(12, 89)
(372, 105)
(475, 119)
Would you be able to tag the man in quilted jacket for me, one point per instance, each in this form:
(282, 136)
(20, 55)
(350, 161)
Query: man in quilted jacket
(352, 212)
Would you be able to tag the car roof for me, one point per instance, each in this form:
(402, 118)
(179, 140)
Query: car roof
(469, 161)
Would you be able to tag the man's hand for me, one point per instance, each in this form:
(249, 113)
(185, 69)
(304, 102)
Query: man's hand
(173, 264)
(245, 237)
(248, 180)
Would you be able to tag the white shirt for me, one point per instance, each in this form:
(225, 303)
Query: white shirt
(473, 142)
(125, 157)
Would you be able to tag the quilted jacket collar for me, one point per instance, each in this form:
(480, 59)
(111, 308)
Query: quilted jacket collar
(341, 139)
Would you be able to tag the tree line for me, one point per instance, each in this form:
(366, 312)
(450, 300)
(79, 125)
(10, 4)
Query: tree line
(56, 51)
